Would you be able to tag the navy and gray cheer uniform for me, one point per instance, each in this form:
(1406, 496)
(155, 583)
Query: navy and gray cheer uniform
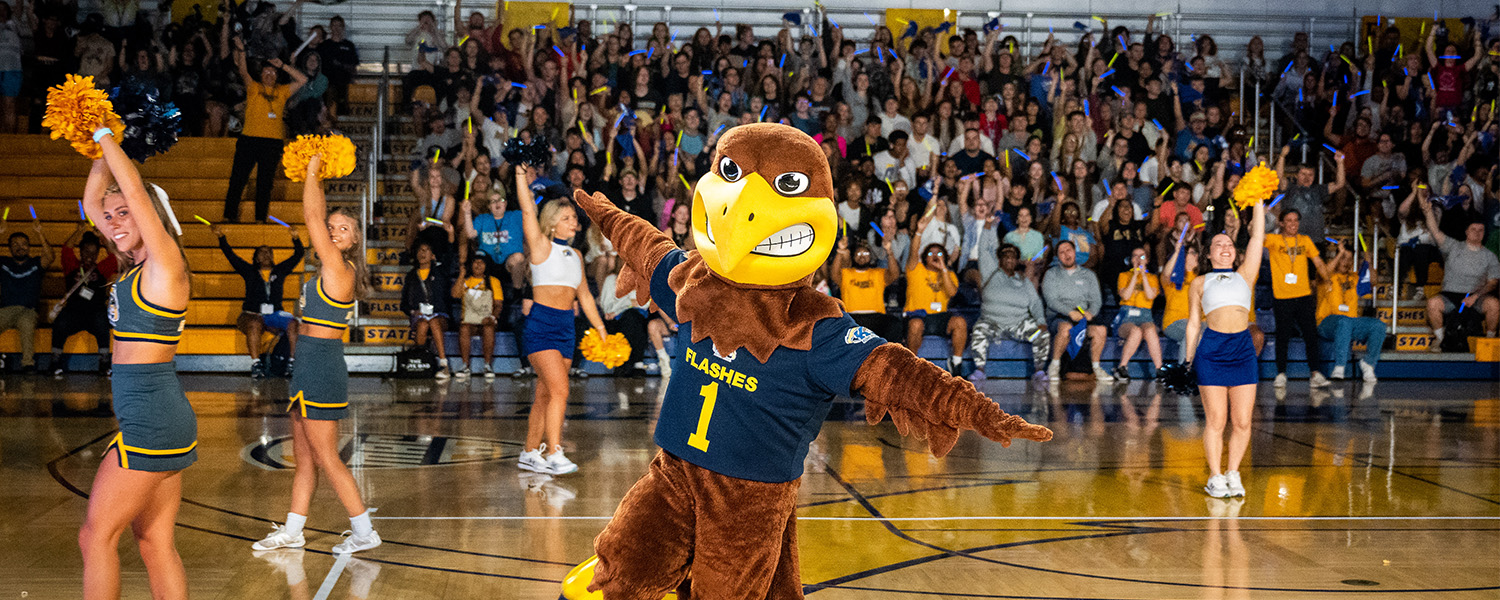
(739, 417)
(320, 382)
(158, 430)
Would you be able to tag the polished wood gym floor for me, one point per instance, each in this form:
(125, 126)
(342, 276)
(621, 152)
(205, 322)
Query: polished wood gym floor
(1389, 491)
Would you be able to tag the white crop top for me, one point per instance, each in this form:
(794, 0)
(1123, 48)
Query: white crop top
(1225, 288)
(562, 267)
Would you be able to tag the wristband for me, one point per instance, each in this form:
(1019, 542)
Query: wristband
(101, 132)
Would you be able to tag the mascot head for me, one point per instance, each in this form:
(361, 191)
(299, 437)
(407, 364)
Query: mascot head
(764, 213)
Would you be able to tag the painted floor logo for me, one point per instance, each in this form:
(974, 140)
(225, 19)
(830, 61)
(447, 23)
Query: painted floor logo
(386, 451)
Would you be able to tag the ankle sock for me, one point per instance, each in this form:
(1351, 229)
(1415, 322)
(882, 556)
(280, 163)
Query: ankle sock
(360, 523)
(295, 522)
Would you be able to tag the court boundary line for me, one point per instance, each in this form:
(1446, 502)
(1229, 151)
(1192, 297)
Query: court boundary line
(1080, 520)
(333, 576)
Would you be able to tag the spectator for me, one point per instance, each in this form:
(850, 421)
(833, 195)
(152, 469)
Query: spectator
(1011, 310)
(11, 30)
(499, 236)
(259, 145)
(1339, 320)
(897, 163)
(1385, 168)
(1419, 249)
(1070, 294)
(261, 311)
(479, 300)
(929, 287)
(1291, 286)
(425, 300)
(82, 308)
(340, 63)
(862, 286)
(1470, 275)
(21, 290)
(1138, 291)
(1175, 312)
(1306, 197)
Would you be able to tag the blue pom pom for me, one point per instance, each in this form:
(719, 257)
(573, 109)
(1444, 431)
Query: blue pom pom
(151, 126)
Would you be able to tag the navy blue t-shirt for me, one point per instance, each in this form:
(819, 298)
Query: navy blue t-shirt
(734, 415)
(20, 282)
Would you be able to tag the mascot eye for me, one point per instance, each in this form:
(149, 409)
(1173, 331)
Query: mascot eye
(791, 184)
(729, 170)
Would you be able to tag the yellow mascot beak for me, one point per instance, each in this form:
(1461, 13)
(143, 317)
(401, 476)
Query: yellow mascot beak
(749, 233)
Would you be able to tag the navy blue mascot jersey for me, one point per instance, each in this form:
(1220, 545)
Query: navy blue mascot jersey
(735, 416)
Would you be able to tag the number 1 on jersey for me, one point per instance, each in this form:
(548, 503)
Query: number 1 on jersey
(699, 439)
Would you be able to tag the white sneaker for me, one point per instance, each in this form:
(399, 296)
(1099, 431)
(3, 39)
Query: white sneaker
(464, 374)
(1338, 373)
(1281, 380)
(443, 373)
(531, 460)
(1317, 379)
(1367, 371)
(489, 372)
(558, 463)
(1236, 488)
(1102, 375)
(280, 537)
(1218, 486)
(355, 543)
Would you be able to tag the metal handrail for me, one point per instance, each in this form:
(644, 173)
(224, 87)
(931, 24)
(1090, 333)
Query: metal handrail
(372, 168)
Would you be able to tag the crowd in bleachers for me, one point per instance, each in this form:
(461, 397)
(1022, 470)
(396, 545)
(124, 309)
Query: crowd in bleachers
(990, 193)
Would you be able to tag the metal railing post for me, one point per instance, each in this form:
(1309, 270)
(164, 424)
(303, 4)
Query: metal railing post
(1241, 91)
(1395, 285)
(1256, 135)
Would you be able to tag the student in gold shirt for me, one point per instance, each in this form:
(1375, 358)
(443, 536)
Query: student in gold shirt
(1339, 320)
(929, 286)
(479, 296)
(1174, 316)
(1291, 286)
(862, 286)
(1138, 290)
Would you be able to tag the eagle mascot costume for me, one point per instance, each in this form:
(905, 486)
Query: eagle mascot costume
(763, 354)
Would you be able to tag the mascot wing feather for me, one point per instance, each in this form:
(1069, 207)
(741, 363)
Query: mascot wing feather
(923, 399)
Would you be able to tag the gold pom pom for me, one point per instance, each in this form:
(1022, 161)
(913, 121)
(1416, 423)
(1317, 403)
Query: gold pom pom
(1256, 186)
(75, 109)
(611, 351)
(337, 152)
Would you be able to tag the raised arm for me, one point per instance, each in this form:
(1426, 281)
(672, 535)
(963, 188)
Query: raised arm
(167, 266)
(338, 274)
(538, 247)
(1340, 179)
(1432, 223)
(298, 79)
(239, 63)
(1250, 269)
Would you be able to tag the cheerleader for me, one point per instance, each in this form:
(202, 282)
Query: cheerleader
(319, 390)
(548, 337)
(1225, 358)
(139, 483)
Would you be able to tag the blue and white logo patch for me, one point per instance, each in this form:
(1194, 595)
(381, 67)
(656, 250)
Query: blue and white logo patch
(858, 335)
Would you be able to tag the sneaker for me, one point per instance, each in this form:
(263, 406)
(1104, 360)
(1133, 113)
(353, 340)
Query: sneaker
(58, 370)
(443, 373)
(1281, 380)
(531, 460)
(1437, 342)
(1317, 379)
(558, 464)
(1236, 488)
(463, 374)
(977, 376)
(257, 369)
(1367, 371)
(666, 368)
(280, 537)
(1039, 375)
(578, 373)
(1218, 486)
(1122, 373)
(1102, 375)
(355, 543)
(489, 372)
(1338, 373)
(523, 373)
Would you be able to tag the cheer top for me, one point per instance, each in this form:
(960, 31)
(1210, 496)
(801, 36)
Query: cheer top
(562, 267)
(733, 415)
(1225, 288)
(318, 308)
(137, 319)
